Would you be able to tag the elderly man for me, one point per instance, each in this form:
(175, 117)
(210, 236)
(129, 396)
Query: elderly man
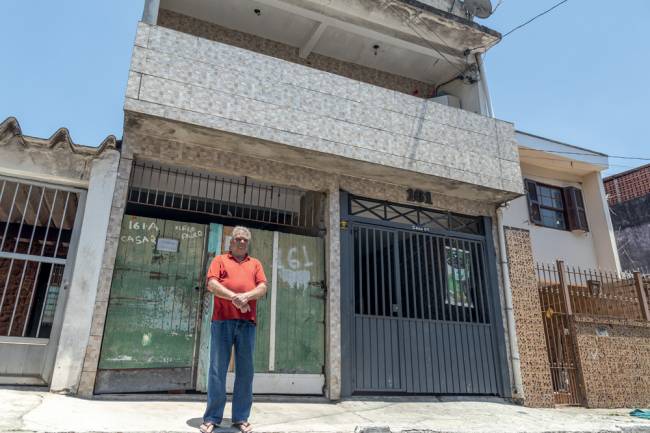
(237, 281)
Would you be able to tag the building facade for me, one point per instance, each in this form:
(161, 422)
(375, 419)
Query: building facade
(565, 207)
(373, 206)
(414, 244)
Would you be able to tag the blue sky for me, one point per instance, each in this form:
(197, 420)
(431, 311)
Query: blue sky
(577, 75)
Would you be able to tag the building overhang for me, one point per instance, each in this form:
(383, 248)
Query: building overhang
(408, 38)
(214, 140)
(559, 157)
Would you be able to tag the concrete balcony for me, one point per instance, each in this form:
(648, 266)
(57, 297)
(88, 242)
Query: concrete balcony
(250, 103)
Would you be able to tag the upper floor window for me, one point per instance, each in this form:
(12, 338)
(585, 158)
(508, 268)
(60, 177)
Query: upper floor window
(555, 207)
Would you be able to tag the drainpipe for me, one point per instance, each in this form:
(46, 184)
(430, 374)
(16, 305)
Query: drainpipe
(484, 86)
(510, 316)
(505, 272)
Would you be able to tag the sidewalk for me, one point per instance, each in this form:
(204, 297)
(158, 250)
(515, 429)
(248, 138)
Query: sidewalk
(40, 411)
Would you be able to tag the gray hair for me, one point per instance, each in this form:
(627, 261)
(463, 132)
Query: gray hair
(242, 231)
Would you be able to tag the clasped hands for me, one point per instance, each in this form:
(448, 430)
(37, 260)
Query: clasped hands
(240, 300)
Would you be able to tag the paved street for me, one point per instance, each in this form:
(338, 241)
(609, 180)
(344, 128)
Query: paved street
(40, 411)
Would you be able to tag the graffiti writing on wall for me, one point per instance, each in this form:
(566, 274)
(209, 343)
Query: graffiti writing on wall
(188, 232)
(141, 232)
(294, 267)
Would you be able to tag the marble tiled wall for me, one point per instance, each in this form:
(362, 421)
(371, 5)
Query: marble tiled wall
(207, 30)
(193, 80)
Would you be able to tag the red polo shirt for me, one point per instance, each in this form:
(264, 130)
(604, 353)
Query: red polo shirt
(238, 277)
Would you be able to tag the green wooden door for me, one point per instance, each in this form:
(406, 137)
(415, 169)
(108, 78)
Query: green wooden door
(155, 298)
(299, 334)
(261, 247)
(300, 328)
(214, 248)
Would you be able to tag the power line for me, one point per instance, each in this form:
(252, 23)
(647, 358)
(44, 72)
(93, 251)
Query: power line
(525, 23)
(590, 154)
(534, 18)
(567, 161)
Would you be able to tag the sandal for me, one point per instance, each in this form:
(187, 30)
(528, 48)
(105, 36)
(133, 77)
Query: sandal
(207, 427)
(243, 427)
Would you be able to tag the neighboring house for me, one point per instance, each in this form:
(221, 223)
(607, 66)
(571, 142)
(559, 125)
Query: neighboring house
(54, 202)
(628, 194)
(581, 324)
(565, 208)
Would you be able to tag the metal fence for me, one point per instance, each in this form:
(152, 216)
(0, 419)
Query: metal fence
(36, 224)
(560, 344)
(566, 291)
(158, 186)
(596, 293)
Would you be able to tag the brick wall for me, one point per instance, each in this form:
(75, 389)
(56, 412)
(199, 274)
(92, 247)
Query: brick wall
(18, 279)
(15, 298)
(535, 369)
(627, 186)
(615, 364)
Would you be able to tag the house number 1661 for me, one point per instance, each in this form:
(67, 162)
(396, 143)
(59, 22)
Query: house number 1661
(419, 196)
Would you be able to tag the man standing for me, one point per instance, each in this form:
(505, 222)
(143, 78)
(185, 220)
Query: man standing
(237, 281)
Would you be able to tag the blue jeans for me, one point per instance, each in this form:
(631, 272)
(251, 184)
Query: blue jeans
(225, 334)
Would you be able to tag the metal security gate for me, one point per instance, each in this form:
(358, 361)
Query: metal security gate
(560, 335)
(421, 317)
(156, 336)
(36, 236)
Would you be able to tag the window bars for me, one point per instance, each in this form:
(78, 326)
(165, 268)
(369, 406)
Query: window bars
(414, 216)
(36, 223)
(225, 196)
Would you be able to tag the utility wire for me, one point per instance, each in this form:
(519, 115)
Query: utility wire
(565, 160)
(534, 18)
(590, 154)
(525, 23)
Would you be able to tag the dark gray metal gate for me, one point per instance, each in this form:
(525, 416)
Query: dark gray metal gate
(420, 315)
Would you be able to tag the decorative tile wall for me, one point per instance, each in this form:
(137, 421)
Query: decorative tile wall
(535, 369)
(615, 362)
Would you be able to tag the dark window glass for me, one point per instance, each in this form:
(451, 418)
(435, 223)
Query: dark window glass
(548, 208)
(553, 218)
